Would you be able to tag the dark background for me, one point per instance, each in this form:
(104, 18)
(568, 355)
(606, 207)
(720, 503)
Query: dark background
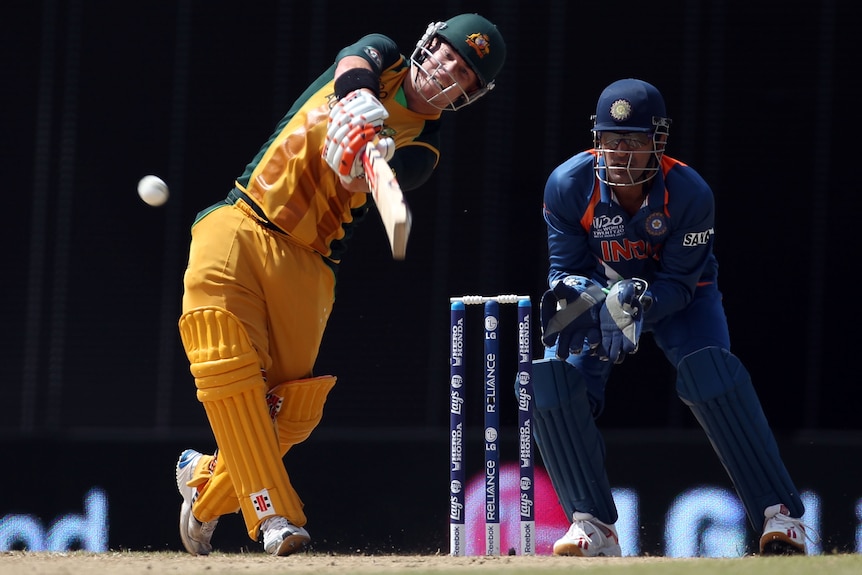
(96, 94)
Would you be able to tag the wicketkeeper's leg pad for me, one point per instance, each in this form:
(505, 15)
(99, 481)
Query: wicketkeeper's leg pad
(718, 390)
(232, 389)
(297, 407)
(571, 446)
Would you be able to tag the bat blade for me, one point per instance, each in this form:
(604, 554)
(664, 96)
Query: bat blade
(389, 198)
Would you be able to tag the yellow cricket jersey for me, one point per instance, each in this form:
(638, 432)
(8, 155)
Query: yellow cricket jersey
(291, 186)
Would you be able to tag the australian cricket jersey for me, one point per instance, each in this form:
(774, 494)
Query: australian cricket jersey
(289, 184)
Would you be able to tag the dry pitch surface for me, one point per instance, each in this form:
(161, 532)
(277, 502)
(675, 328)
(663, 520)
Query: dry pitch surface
(147, 563)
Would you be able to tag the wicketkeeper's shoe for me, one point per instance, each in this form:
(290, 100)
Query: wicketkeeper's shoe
(281, 537)
(782, 534)
(588, 537)
(195, 535)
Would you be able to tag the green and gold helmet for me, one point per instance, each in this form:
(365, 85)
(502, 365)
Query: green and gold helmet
(477, 41)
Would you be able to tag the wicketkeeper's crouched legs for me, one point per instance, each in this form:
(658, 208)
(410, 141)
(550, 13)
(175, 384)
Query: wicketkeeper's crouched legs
(233, 392)
(718, 390)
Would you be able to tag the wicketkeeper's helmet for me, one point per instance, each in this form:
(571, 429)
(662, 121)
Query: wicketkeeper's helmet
(627, 106)
(631, 106)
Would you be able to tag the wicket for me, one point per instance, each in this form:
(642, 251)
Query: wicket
(457, 424)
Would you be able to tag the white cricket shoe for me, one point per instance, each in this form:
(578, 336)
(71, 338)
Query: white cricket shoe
(195, 535)
(281, 537)
(782, 534)
(588, 537)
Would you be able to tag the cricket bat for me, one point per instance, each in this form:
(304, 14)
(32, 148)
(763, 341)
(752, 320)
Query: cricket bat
(389, 198)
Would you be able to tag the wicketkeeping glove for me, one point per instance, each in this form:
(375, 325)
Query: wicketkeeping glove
(354, 121)
(622, 319)
(570, 315)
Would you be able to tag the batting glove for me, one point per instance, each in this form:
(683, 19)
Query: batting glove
(354, 121)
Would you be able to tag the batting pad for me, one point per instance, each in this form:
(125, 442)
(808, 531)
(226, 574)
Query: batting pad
(233, 392)
(718, 390)
(572, 448)
(216, 496)
(203, 471)
(297, 407)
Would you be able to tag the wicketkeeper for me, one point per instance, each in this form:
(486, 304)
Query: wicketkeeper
(630, 238)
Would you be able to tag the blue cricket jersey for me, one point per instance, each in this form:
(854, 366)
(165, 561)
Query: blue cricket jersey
(668, 242)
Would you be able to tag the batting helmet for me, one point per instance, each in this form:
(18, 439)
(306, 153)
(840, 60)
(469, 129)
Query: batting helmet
(479, 44)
